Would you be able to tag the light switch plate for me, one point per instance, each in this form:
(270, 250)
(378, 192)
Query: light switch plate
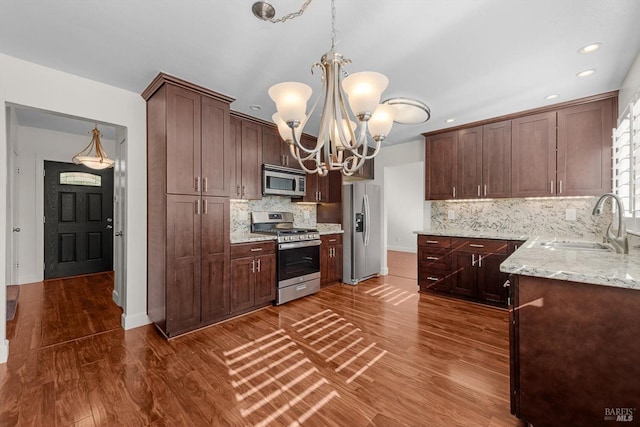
(451, 214)
(570, 214)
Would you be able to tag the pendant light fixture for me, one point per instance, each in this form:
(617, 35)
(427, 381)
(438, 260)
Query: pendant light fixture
(342, 144)
(93, 155)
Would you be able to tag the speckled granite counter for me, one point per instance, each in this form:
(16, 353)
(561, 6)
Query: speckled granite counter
(595, 267)
(250, 237)
(474, 234)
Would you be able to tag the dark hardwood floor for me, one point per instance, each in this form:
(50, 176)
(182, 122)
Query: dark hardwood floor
(377, 354)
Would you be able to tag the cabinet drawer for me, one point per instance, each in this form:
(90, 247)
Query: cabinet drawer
(331, 239)
(480, 245)
(242, 250)
(433, 258)
(435, 280)
(434, 241)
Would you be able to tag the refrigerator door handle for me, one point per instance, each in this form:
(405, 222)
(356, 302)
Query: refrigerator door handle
(367, 219)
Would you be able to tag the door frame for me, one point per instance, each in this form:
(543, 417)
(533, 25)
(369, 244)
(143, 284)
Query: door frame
(119, 220)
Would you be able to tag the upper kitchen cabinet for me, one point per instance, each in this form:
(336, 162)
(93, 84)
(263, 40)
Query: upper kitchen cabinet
(484, 161)
(367, 170)
(275, 151)
(247, 139)
(585, 148)
(322, 189)
(533, 150)
(198, 151)
(560, 150)
(441, 166)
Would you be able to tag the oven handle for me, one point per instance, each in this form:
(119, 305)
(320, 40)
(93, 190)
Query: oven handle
(295, 245)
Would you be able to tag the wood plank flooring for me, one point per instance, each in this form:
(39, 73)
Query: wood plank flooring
(376, 354)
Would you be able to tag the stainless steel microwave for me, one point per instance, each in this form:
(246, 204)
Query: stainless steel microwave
(281, 181)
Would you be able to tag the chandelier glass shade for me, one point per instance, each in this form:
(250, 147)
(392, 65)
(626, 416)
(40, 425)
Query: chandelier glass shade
(93, 156)
(342, 143)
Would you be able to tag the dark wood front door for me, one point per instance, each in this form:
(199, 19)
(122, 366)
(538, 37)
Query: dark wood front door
(78, 228)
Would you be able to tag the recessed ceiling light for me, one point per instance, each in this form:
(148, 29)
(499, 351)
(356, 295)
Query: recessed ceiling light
(586, 73)
(589, 48)
(450, 120)
(255, 107)
(552, 96)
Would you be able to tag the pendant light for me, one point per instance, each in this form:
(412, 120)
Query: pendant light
(93, 155)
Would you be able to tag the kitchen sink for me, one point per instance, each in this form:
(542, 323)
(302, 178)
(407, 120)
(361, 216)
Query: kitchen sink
(582, 246)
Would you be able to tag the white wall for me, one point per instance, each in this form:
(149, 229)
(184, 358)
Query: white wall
(35, 146)
(404, 205)
(399, 155)
(35, 86)
(630, 85)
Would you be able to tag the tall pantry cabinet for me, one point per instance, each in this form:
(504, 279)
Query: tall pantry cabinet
(189, 171)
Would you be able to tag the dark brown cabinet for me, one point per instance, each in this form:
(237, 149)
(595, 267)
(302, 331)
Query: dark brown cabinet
(275, 151)
(367, 171)
(441, 160)
(574, 359)
(434, 263)
(253, 275)
(562, 150)
(247, 139)
(584, 149)
(468, 268)
(330, 259)
(189, 173)
(533, 165)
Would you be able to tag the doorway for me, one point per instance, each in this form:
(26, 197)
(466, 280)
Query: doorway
(78, 220)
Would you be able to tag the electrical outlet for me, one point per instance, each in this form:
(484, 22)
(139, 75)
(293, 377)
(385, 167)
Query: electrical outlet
(451, 214)
(570, 214)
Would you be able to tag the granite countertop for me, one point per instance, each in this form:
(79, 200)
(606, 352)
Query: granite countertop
(474, 234)
(595, 267)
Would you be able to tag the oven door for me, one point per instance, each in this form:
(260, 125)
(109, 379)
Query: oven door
(298, 262)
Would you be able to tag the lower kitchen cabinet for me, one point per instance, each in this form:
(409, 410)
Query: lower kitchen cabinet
(330, 259)
(574, 353)
(468, 268)
(253, 275)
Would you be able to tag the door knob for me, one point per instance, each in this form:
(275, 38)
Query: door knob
(109, 226)
(109, 220)
(16, 230)
(118, 233)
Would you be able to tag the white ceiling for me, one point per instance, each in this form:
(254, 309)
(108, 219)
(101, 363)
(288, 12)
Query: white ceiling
(468, 59)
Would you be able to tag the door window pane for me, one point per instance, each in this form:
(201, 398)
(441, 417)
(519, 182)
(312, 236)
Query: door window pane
(80, 178)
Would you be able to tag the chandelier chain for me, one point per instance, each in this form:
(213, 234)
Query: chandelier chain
(333, 24)
(291, 15)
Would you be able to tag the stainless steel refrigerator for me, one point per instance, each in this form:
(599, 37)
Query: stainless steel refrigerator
(362, 223)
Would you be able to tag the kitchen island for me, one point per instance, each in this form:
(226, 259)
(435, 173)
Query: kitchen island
(574, 335)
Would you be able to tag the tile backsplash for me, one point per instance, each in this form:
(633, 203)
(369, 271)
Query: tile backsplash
(304, 214)
(546, 217)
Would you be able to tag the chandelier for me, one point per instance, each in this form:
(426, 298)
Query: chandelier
(93, 155)
(341, 144)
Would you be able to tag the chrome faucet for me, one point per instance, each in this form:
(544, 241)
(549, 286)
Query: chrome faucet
(619, 241)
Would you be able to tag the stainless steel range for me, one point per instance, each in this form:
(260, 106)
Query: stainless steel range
(298, 254)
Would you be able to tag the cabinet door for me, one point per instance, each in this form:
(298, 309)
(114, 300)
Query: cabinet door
(251, 185)
(235, 133)
(215, 256)
(533, 153)
(491, 280)
(325, 263)
(243, 279)
(183, 141)
(584, 149)
(217, 150)
(441, 166)
(265, 290)
(496, 160)
(271, 147)
(183, 263)
(337, 263)
(469, 163)
(464, 273)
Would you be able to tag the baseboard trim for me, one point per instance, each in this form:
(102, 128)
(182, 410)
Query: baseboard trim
(412, 250)
(4, 352)
(116, 298)
(384, 271)
(134, 320)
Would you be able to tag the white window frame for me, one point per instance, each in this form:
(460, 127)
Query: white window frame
(626, 162)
